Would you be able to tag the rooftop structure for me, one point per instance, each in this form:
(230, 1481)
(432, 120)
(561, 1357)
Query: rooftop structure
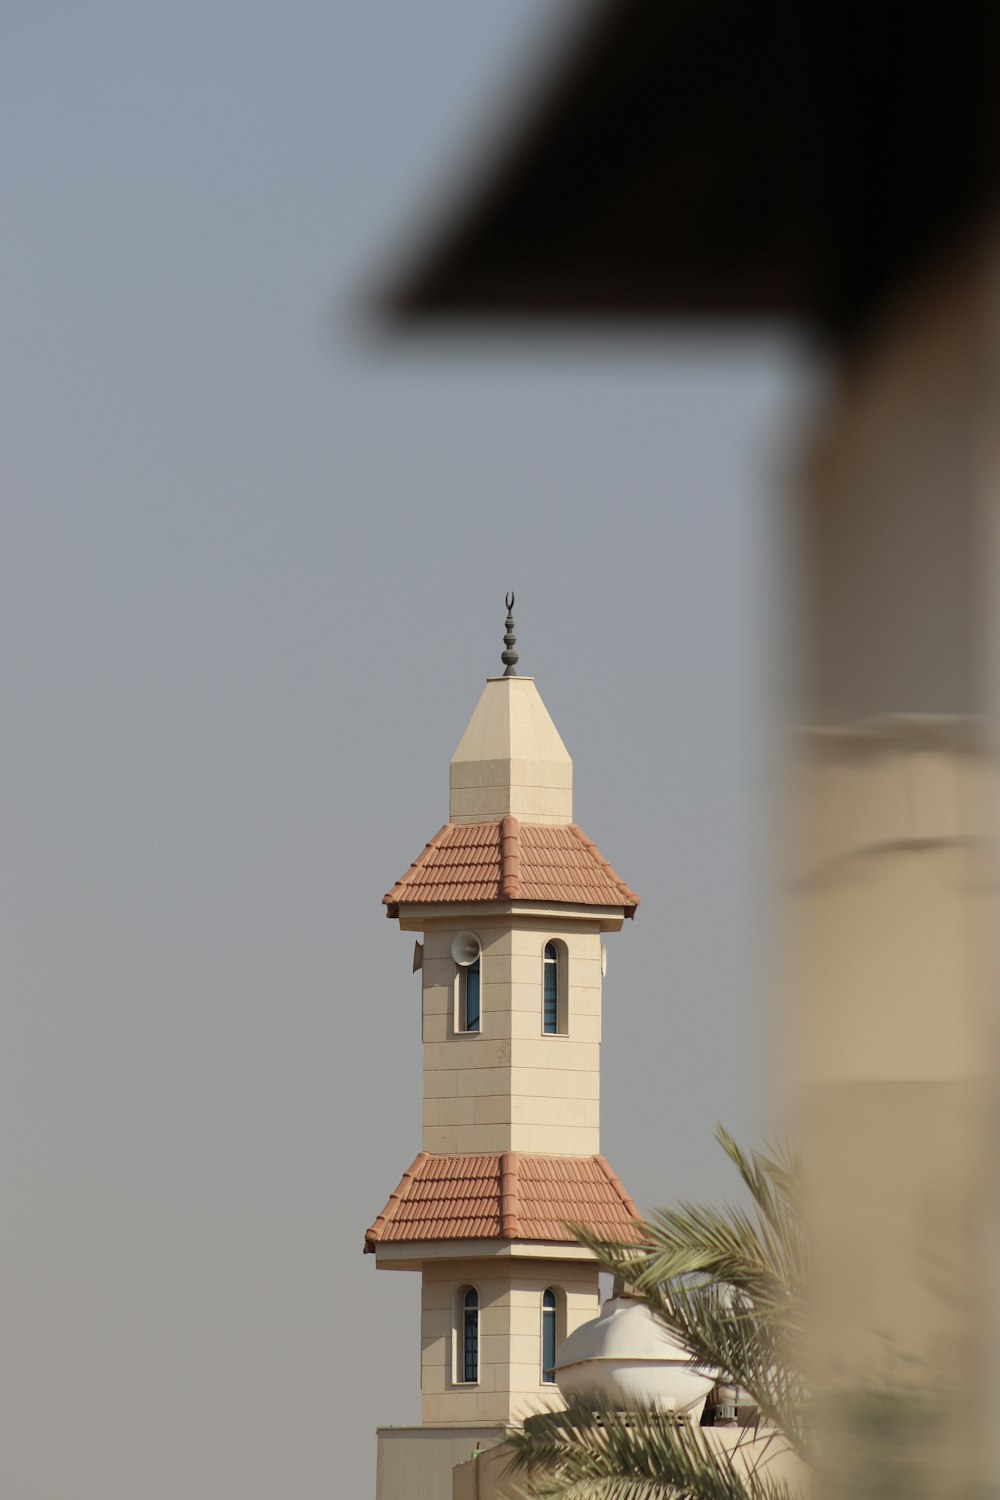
(511, 861)
(720, 160)
(510, 1195)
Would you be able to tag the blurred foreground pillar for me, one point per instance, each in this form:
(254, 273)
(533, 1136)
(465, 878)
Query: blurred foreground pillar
(891, 1008)
(834, 166)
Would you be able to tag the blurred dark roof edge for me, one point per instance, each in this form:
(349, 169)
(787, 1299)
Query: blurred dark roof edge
(709, 159)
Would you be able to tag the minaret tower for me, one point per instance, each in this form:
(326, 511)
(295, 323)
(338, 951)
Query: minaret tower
(512, 900)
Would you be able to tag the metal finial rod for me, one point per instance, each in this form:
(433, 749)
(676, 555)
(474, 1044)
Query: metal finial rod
(509, 657)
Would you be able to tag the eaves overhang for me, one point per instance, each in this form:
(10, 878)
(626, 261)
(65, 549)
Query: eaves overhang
(709, 159)
(411, 1256)
(419, 916)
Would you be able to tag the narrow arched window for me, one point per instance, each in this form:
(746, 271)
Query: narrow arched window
(469, 1008)
(548, 1336)
(555, 988)
(470, 1335)
(550, 990)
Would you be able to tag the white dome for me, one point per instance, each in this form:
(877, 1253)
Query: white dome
(626, 1356)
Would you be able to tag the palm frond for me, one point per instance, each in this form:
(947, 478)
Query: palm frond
(592, 1452)
(685, 1247)
(722, 1331)
(729, 1285)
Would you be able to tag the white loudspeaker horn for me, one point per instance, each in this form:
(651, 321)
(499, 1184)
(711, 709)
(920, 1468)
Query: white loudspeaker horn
(604, 959)
(465, 949)
(418, 955)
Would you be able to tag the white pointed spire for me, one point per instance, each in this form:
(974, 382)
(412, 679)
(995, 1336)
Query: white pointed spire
(510, 760)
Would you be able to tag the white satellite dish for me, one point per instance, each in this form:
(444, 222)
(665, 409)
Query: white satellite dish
(465, 949)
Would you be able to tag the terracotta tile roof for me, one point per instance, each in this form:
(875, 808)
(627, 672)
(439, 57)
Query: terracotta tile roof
(511, 861)
(509, 1195)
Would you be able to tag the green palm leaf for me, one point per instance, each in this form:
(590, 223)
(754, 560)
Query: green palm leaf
(728, 1283)
(597, 1453)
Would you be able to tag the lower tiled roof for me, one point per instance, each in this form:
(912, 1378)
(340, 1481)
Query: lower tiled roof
(508, 1195)
(510, 860)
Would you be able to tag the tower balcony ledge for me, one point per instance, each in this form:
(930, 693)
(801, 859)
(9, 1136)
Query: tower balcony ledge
(412, 1255)
(419, 916)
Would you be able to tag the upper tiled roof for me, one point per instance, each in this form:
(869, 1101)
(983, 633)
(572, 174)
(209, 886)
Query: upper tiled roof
(510, 1195)
(512, 861)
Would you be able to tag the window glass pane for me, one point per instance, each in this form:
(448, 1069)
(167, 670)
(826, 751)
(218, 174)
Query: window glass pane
(548, 1337)
(471, 1017)
(550, 990)
(470, 1341)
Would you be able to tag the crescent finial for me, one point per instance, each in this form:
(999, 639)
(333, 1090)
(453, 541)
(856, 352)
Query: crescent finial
(509, 656)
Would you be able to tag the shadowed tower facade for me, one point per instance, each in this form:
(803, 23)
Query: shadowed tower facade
(512, 901)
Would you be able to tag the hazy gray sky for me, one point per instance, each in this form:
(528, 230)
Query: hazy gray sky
(254, 568)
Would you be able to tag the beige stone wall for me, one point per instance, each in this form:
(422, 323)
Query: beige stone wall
(482, 1478)
(510, 1294)
(510, 1086)
(521, 789)
(417, 1463)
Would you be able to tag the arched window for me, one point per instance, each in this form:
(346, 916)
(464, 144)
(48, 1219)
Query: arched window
(468, 1005)
(469, 1352)
(550, 990)
(548, 1336)
(555, 1011)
